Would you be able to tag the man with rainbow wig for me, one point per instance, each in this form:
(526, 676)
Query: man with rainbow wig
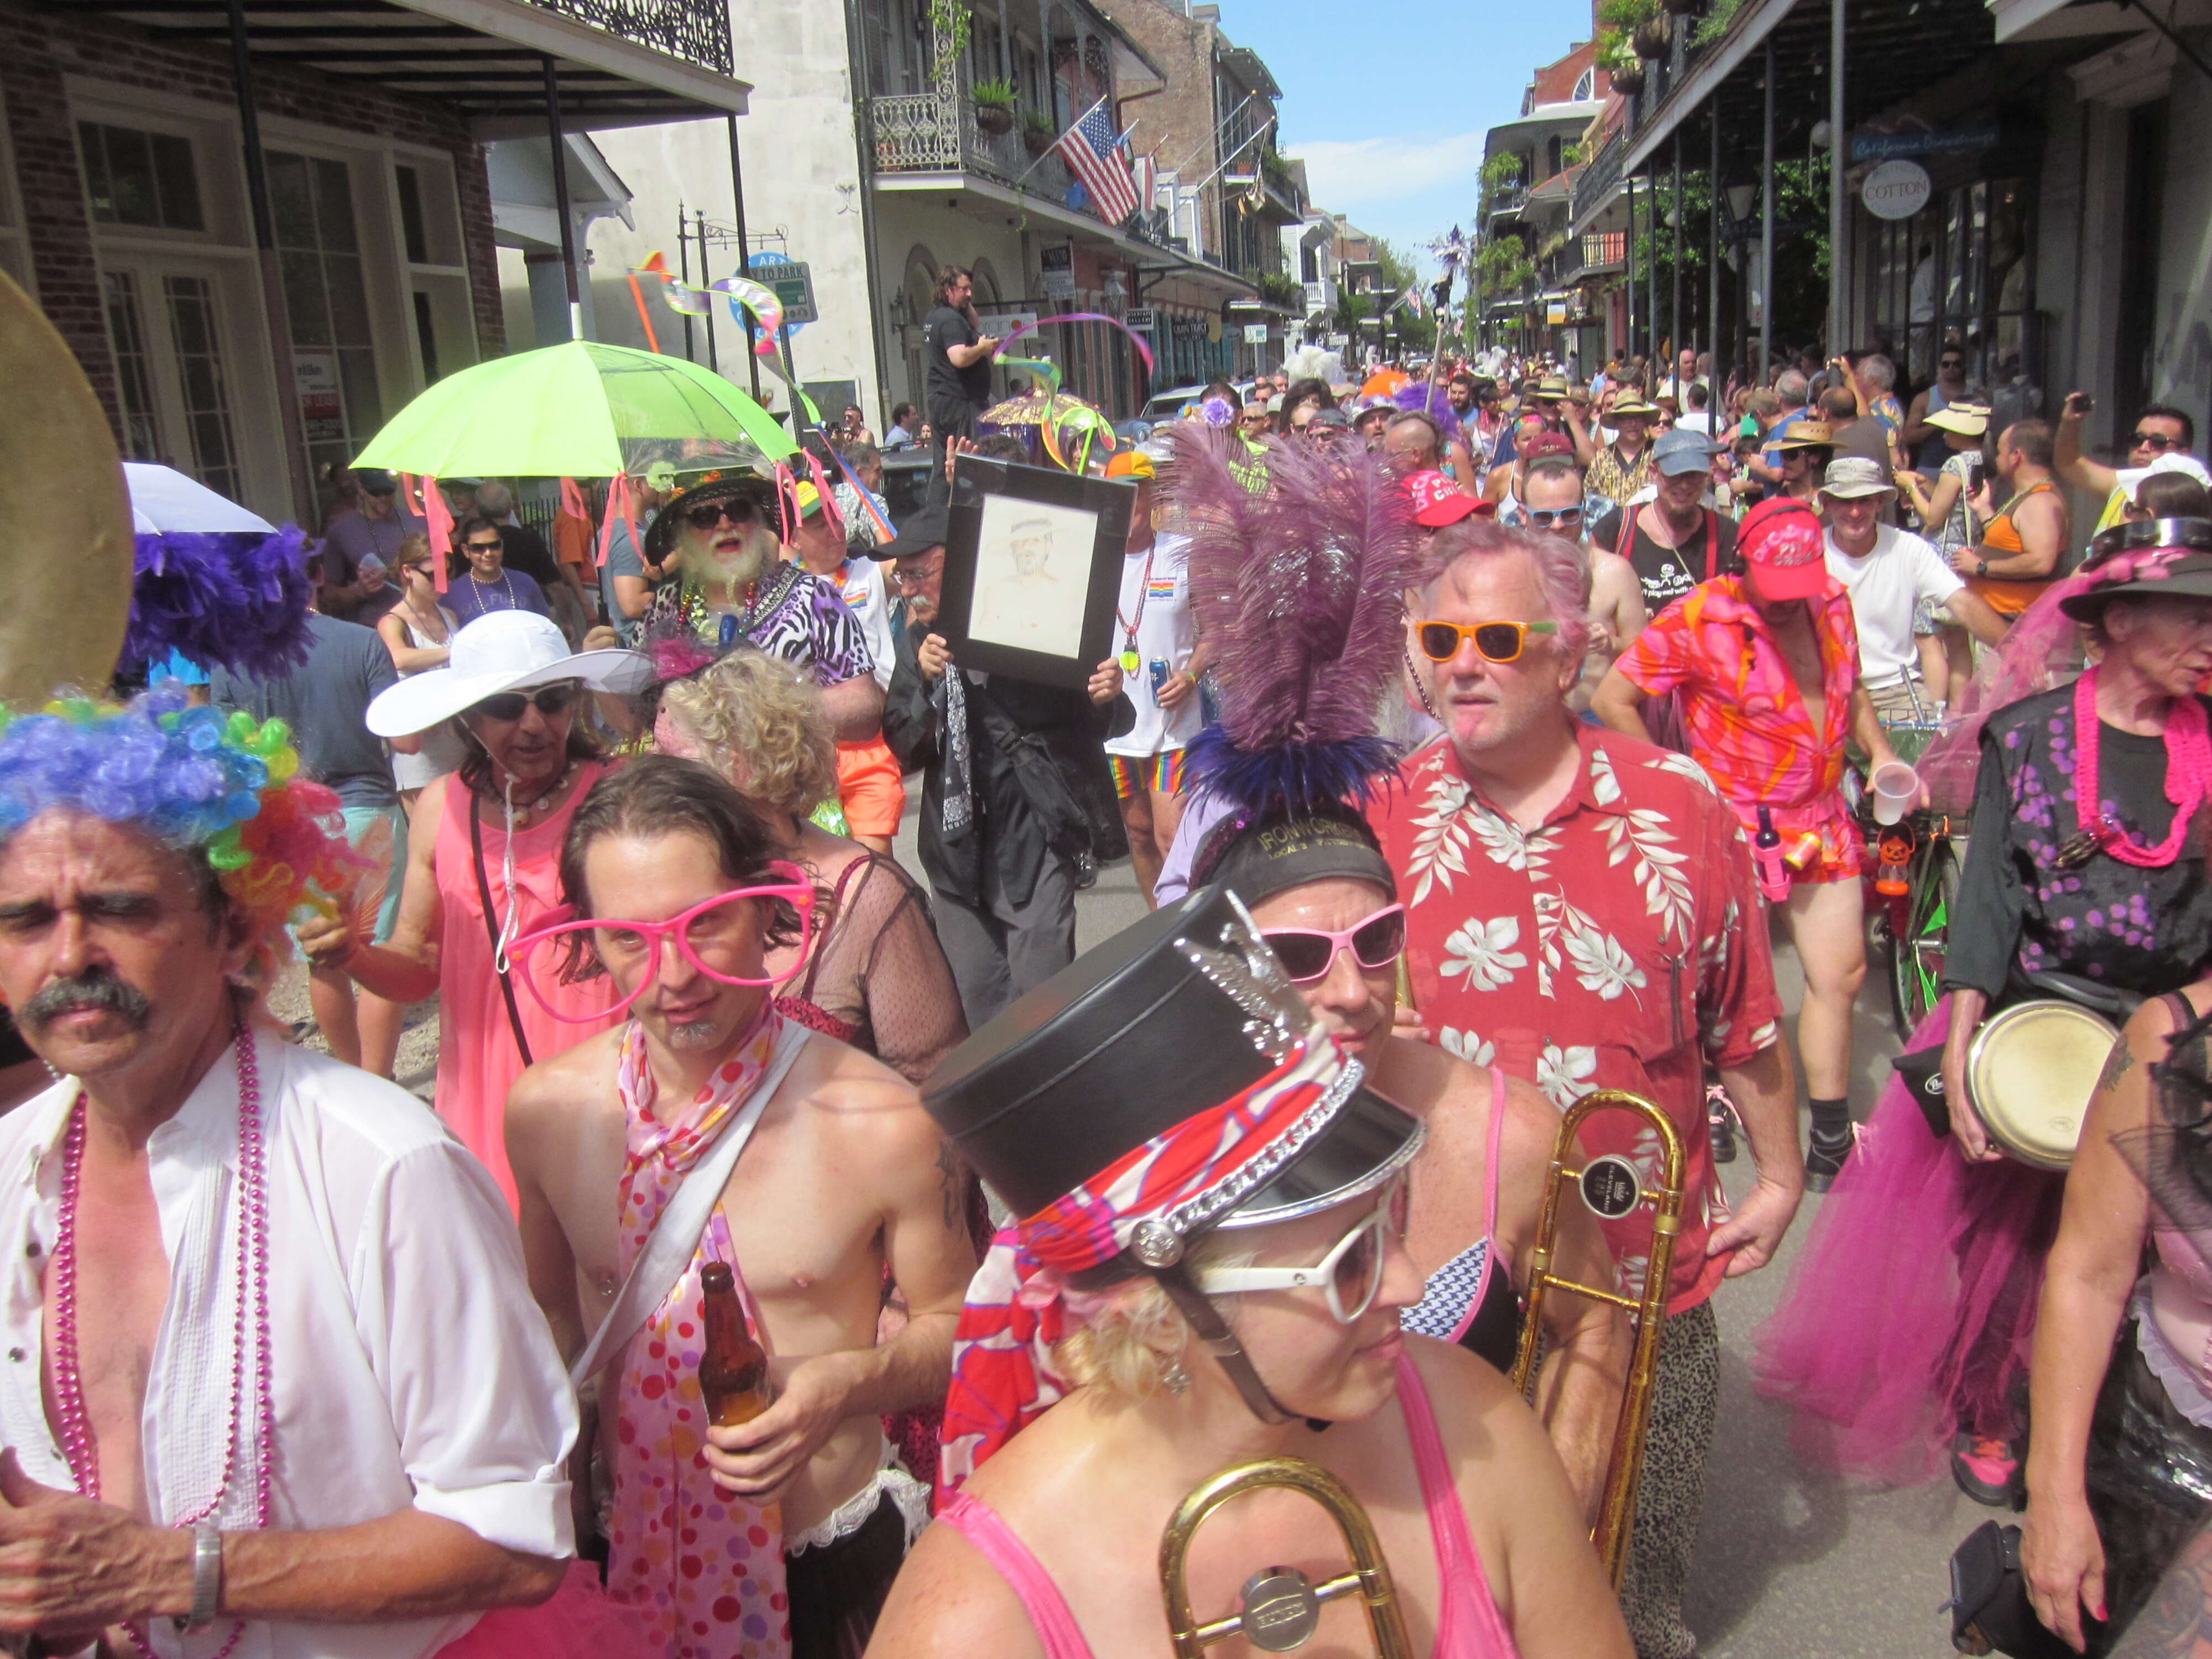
(270, 1378)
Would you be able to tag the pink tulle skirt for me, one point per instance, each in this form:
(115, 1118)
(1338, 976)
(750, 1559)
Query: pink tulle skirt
(577, 1622)
(1910, 1316)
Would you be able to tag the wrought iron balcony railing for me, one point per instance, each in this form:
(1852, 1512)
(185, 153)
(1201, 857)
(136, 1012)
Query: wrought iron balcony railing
(1597, 180)
(697, 31)
(936, 132)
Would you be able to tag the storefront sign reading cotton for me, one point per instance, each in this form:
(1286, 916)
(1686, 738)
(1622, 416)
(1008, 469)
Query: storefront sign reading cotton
(1895, 190)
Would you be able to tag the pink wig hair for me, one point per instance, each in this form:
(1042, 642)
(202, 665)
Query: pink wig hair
(1561, 570)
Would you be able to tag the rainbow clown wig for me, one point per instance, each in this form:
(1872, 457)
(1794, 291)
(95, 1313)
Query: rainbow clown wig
(220, 788)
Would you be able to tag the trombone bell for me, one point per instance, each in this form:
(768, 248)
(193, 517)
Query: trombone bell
(1279, 1606)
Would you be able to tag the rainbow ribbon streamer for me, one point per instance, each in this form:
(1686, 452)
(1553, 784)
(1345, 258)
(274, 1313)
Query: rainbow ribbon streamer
(742, 294)
(1086, 421)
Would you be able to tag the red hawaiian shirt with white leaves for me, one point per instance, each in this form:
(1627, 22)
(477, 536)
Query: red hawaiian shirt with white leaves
(1619, 944)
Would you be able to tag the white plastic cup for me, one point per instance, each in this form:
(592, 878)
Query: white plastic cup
(1896, 791)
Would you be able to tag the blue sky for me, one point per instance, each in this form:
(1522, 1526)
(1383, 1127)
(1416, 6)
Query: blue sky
(1387, 100)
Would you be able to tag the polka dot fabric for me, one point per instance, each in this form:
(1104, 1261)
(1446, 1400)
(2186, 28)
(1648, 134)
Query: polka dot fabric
(704, 1568)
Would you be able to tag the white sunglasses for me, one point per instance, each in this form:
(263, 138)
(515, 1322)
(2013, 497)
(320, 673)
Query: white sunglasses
(1353, 1269)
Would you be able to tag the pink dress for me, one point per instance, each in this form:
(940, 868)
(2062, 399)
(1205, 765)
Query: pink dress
(1469, 1623)
(478, 1060)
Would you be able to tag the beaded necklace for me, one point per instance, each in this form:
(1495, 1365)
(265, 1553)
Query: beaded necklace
(76, 1423)
(2188, 777)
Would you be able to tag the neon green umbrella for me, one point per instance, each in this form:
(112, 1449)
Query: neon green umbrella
(579, 410)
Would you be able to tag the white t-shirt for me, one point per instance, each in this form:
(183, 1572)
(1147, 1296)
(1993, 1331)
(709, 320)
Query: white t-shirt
(1160, 582)
(1696, 420)
(859, 583)
(1885, 586)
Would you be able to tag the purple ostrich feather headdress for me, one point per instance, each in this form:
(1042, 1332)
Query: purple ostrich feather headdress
(1299, 582)
(1435, 401)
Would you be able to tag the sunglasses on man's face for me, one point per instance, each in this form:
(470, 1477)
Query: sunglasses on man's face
(2157, 440)
(491, 546)
(1553, 518)
(1307, 953)
(1494, 641)
(511, 705)
(708, 514)
(1952, 362)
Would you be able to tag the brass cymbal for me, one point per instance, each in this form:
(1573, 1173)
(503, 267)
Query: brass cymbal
(69, 552)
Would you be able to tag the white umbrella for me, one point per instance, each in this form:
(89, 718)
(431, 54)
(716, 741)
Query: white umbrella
(163, 501)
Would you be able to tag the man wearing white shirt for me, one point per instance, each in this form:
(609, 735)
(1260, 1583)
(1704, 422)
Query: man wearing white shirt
(870, 785)
(1161, 661)
(294, 1393)
(1888, 572)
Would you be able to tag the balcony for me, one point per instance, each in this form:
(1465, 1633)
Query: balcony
(1271, 194)
(1596, 184)
(697, 31)
(936, 132)
(1507, 200)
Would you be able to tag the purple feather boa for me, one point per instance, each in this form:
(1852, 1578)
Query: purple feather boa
(236, 599)
(1299, 579)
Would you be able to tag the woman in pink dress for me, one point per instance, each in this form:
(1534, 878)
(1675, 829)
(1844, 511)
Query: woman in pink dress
(483, 859)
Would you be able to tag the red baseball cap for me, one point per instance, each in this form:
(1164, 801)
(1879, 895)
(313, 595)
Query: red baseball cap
(1547, 443)
(1439, 501)
(1784, 543)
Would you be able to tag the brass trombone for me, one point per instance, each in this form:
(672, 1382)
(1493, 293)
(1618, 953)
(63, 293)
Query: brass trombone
(1612, 1188)
(1279, 1606)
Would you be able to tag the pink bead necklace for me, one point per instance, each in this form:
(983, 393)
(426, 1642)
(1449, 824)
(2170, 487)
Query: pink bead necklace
(2188, 778)
(78, 1444)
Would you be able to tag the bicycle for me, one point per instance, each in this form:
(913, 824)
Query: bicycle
(1912, 885)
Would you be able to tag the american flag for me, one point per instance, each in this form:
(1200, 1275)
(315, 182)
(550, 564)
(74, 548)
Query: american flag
(1099, 155)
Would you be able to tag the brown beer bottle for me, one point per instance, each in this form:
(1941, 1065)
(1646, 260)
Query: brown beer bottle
(733, 1367)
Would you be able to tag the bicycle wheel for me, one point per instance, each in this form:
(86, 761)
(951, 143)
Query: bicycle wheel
(1915, 964)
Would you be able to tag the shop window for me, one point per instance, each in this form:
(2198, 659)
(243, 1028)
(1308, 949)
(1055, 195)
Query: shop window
(147, 179)
(126, 334)
(410, 215)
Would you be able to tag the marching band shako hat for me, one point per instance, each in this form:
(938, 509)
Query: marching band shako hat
(1168, 1082)
(2142, 557)
(1170, 1018)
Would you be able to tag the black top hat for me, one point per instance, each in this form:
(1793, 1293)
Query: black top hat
(1168, 1018)
(2189, 576)
(660, 535)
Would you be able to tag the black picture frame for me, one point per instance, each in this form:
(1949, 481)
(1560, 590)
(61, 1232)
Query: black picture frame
(1081, 525)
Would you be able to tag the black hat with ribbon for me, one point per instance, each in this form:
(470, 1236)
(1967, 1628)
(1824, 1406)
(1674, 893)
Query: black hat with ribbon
(1171, 1081)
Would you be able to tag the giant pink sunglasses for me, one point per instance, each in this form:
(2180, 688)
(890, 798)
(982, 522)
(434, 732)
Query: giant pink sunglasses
(567, 953)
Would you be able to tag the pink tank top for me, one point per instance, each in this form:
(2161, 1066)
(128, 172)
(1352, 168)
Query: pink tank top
(1469, 1623)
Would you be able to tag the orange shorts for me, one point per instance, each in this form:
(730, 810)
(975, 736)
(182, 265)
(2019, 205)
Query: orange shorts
(871, 788)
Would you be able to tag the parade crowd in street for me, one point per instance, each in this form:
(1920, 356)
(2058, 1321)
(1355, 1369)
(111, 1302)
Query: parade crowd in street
(802, 1254)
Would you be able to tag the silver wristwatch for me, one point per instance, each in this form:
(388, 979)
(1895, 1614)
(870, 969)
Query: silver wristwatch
(207, 1579)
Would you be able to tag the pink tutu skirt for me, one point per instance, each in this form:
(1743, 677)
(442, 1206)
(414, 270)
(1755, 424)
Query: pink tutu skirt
(577, 1622)
(1910, 1316)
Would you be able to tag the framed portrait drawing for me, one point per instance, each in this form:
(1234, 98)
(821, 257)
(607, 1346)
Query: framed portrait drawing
(1032, 569)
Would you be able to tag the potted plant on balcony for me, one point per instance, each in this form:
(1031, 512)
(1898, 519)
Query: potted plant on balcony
(995, 105)
(1037, 132)
(1653, 35)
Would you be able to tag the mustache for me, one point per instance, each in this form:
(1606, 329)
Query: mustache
(94, 989)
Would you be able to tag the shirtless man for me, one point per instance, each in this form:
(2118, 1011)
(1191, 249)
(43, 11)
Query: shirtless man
(1551, 499)
(844, 1175)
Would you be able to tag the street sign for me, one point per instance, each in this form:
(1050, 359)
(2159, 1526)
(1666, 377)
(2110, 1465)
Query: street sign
(793, 284)
(1941, 141)
(1896, 190)
(1138, 317)
(1255, 334)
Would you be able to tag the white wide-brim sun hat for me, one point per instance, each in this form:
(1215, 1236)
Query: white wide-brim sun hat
(505, 651)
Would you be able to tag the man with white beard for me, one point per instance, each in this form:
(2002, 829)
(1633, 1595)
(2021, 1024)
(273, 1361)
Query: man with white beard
(733, 587)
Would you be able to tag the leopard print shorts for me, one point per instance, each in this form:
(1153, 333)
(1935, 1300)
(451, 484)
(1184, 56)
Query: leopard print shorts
(1670, 1500)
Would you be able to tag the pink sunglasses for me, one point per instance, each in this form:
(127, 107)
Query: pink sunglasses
(566, 953)
(1307, 953)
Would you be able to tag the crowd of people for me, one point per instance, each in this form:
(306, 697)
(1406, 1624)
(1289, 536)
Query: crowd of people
(1472, 736)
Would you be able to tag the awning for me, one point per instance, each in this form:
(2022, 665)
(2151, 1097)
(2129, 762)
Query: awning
(617, 62)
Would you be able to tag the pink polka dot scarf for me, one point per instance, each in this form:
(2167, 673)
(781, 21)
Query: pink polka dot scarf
(704, 1568)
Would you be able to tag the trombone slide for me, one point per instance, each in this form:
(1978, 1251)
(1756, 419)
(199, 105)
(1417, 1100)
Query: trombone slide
(1610, 1187)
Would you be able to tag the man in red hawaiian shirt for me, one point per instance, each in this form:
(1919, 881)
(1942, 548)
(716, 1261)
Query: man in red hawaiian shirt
(1767, 662)
(1581, 913)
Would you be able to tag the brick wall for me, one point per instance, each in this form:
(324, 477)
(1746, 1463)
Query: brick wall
(41, 45)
